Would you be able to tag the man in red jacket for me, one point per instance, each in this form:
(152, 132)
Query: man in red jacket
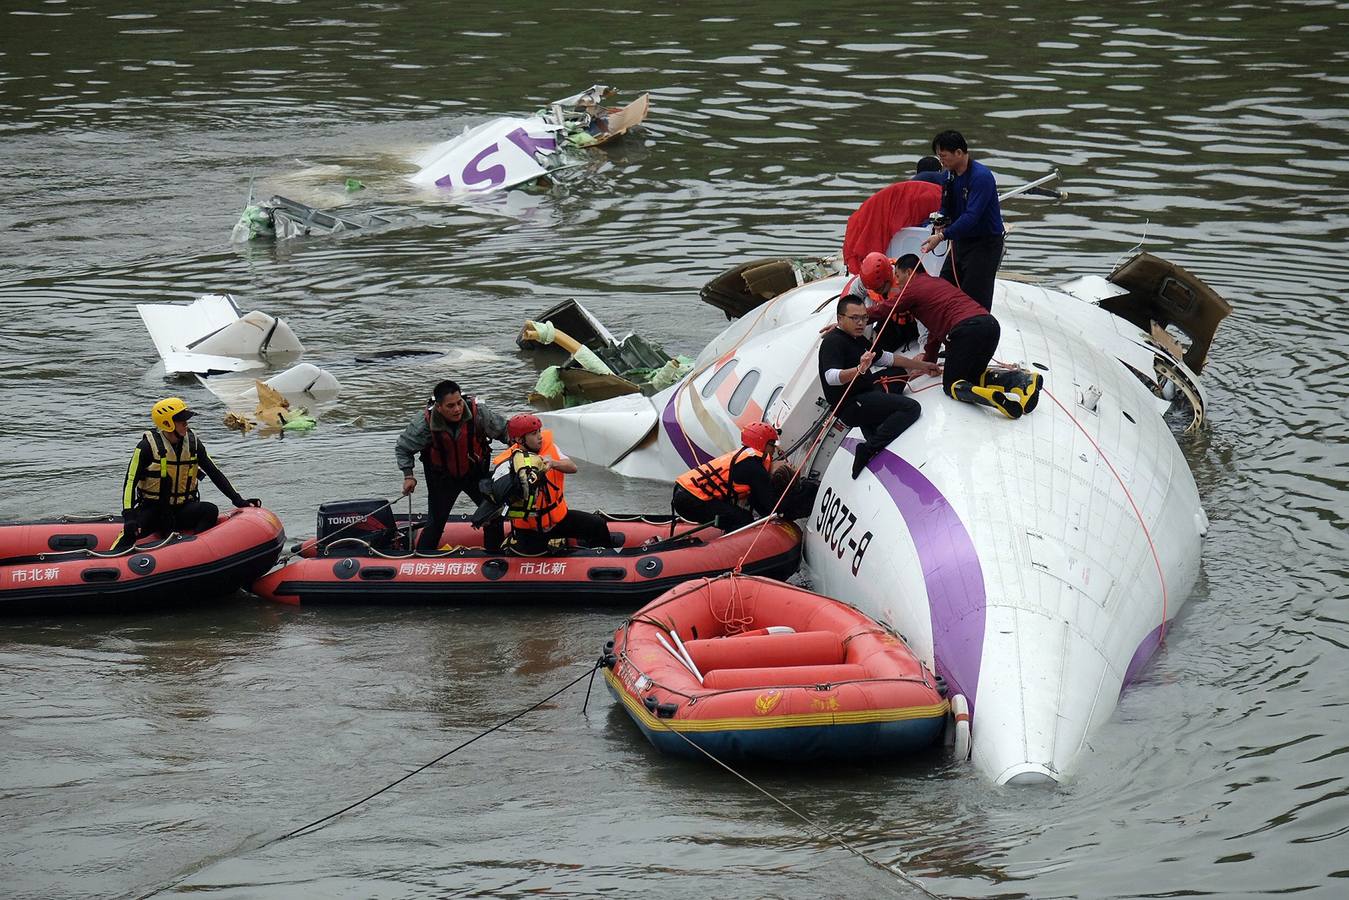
(969, 332)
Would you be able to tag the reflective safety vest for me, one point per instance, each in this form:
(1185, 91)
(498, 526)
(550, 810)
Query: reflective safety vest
(712, 480)
(461, 454)
(172, 474)
(540, 506)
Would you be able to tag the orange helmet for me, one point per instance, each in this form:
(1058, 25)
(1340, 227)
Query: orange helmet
(757, 435)
(878, 272)
(521, 425)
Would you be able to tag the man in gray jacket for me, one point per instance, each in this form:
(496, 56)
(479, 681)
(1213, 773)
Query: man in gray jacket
(453, 437)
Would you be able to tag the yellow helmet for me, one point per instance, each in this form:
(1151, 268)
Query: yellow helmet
(165, 410)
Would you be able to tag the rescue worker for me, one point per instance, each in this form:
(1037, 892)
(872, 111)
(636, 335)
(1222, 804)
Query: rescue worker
(970, 334)
(160, 494)
(973, 220)
(871, 401)
(452, 435)
(897, 330)
(538, 512)
(736, 487)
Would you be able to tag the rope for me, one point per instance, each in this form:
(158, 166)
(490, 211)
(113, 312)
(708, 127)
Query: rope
(688, 380)
(823, 428)
(246, 848)
(110, 554)
(821, 829)
(317, 822)
(1142, 523)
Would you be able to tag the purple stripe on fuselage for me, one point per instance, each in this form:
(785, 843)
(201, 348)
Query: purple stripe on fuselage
(1141, 656)
(689, 452)
(951, 570)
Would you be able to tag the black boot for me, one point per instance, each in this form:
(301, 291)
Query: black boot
(861, 456)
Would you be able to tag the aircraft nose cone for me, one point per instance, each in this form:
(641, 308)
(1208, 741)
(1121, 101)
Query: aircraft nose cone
(1029, 774)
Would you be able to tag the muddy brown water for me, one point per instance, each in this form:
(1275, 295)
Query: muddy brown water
(160, 753)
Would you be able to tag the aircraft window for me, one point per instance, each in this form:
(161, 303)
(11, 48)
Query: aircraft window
(740, 398)
(718, 377)
(777, 392)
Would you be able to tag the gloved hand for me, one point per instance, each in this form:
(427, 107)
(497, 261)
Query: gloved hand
(240, 502)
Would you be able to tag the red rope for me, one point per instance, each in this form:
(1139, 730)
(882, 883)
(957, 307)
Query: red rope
(1156, 558)
(824, 429)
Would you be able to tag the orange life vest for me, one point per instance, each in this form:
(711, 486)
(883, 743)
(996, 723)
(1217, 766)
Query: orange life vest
(712, 480)
(542, 506)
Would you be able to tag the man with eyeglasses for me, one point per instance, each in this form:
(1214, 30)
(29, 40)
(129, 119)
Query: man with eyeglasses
(870, 401)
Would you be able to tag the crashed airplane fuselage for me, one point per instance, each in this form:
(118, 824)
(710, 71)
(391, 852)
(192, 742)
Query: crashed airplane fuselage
(1034, 563)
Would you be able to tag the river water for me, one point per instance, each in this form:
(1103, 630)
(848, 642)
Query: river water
(164, 753)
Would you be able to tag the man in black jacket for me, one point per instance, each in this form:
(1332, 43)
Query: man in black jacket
(872, 402)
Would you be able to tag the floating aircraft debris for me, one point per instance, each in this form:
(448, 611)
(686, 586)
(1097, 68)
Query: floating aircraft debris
(210, 335)
(598, 366)
(281, 218)
(272, 413)
(225, 349)
(508, 150)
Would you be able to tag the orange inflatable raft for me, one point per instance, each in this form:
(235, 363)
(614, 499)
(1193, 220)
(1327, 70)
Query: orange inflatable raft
(748, 668)
(645, 562)
(63, 565)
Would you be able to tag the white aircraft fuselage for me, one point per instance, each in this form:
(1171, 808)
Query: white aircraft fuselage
(1033, 563)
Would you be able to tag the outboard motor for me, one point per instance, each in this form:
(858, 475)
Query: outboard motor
(370, 521)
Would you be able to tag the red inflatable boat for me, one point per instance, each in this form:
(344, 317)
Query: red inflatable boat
(63, 565)
(748, 668)
(645, 562)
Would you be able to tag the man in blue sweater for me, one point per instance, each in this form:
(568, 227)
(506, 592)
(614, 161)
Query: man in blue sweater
(973, 220)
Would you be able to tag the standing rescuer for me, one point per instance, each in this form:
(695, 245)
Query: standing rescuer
(538, 512)
(160, 493)
(723, 488)
(453, 438)
(973, 219)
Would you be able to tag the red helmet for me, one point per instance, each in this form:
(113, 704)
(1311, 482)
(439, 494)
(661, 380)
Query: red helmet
(757, 435)
(521, 425)
(877, 272)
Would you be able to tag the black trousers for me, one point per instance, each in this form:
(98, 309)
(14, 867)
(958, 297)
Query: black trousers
(972, 265)
(969, 347)
(160, 518)
(442, 490)
(882, 415)
(587, 528)
(729, 516)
